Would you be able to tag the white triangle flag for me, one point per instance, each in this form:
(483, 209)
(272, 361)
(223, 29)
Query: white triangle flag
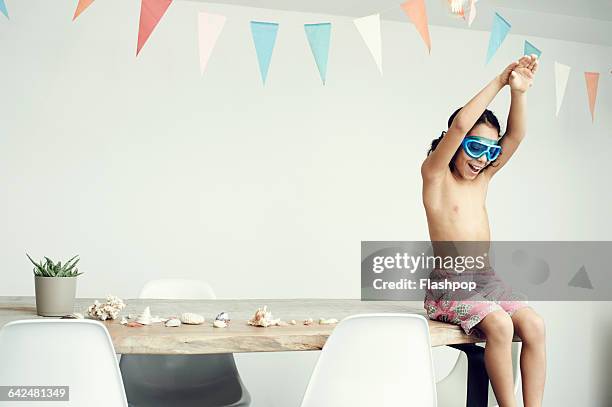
(209, 29)
(561, 76)
(369, 28)
(472, 12)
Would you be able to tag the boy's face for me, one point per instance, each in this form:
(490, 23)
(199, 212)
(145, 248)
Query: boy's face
(468, 167)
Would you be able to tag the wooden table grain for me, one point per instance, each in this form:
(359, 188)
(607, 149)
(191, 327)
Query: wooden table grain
(238, 336)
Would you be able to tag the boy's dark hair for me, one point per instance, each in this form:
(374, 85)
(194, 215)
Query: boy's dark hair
(487, 117)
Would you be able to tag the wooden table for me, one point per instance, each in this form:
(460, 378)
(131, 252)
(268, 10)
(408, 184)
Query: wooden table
(239, 337)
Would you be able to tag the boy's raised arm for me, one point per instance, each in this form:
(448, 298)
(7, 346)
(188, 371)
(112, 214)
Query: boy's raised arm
(437, 162)
(520, 81)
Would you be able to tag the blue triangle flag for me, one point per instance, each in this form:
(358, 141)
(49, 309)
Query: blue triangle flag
(3, 8)
(531, 49)
(318, 38)
(264, 37)
(498, 34)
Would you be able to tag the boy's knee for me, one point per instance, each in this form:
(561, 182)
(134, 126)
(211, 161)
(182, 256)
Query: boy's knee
(532, 328)
(498, 326)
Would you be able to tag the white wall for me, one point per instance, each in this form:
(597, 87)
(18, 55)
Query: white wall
(146, 169)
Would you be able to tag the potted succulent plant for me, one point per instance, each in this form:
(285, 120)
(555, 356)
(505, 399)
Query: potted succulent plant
(55, 285)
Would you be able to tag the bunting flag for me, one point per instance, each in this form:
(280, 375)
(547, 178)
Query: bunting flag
(415, 10)
(151, 11)
(531, 49)
(318, 37)
(3, 8)
(498, 34)
(83, 4)
(561, 76)
(369, 28)
(264, 37)
(209, 29)
(471, 13)
(592, 79)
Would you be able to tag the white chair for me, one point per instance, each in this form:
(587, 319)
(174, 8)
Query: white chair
(381, 360)
(61, 352)
(182, 380)
(452, 390)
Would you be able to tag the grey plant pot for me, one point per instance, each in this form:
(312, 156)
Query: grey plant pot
(55, 295)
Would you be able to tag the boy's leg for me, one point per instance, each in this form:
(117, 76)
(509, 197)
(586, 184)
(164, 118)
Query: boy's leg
(499, 331)
(529, 326)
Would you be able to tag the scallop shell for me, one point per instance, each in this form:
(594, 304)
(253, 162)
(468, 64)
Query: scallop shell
(219, 323)
(172, 323)
(192, 319)
(308, 321)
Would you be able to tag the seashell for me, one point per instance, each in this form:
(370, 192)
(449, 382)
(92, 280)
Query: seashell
(172, 323)
(192, 319)
(145, 318)
(223, 316)
(330, 321)
(134, 324)
(263, 318)
(124, 321)
(219, 323)
(292, 322)
(107, 310)
(308, 321)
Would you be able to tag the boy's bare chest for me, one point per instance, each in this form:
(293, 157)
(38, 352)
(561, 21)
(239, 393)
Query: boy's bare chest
(454, 199)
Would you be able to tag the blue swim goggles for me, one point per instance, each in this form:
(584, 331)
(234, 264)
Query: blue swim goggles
(476, 147)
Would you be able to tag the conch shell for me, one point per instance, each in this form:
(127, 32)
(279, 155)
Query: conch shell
(190, 318)
(145, 318)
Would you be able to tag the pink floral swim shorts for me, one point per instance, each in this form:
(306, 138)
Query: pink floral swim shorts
(468, 309)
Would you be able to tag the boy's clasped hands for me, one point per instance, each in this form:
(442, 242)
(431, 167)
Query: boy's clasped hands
(519, 74)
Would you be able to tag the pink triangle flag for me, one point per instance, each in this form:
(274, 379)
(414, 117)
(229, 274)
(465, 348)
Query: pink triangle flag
(83, 4)
(151, 11)
(415, 10)
(592, 80)
(209, 28)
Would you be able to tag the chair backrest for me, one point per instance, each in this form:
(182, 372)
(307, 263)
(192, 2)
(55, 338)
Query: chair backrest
(177, 288)
(381, 360)
(56, 352)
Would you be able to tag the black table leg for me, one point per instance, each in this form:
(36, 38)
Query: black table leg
(478, 379)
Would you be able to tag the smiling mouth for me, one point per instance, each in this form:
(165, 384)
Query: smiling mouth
(474, 168)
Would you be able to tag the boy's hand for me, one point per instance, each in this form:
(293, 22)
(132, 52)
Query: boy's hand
(521, 77)
(504, 77)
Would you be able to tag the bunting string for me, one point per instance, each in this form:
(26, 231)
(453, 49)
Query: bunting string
(318, 36)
